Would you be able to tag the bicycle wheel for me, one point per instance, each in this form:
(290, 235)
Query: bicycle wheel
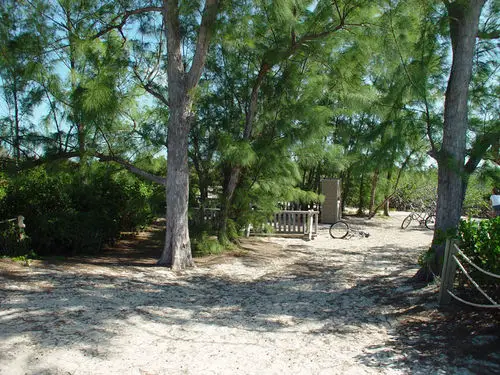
(430, 222)
(339, 229)
(406, 221)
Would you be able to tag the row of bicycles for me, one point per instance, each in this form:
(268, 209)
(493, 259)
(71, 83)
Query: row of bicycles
(424, 214)
(340, 229)
(422, 218)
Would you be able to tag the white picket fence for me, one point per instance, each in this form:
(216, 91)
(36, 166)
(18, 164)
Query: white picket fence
(207, 214)
(294, 223)
(451, 261)
(286, 222)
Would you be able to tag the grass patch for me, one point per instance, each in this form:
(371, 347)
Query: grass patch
(208, 245)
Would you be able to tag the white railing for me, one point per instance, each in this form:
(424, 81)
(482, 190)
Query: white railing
(207, 214)
(451, 261)
(295, 222)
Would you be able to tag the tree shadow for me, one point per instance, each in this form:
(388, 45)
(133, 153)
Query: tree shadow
(86, 305)
(428, 339)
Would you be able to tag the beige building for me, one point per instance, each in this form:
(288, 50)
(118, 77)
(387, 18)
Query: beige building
(331, 209)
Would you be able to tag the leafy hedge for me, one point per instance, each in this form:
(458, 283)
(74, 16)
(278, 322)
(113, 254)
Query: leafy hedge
(480, 241)
(70, 209)
(13, 242)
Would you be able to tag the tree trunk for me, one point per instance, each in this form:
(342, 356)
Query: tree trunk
(361, 197)
(177, 250)
(386, 194)
(234, 177)
(230, 188)
(346, 188)
(463, 18)
(17, 137)
(373, 191)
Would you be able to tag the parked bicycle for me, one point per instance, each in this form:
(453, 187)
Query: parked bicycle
(424, 218)
(339, 229)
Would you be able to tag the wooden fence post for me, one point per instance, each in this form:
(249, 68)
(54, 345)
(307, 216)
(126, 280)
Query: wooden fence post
(447, 273)
(310, 217)
(21, 226)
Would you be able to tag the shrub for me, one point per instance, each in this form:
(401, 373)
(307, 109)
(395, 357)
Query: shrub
(13, 242)
(477, 198)
(206, 245)
(480, 241)
(72, 209)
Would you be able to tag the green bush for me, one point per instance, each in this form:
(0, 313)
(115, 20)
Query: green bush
(477, 198)
(13, 241)
(480, 241)
(70, 209)
(206, 245)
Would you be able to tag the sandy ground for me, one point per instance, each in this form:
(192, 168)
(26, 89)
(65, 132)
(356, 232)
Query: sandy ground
(275, 306)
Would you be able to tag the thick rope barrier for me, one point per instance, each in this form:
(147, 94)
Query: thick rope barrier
(473, 282)
(472, 264)
(447, 280)
(471, 303)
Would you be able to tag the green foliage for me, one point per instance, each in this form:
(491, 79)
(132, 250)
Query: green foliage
(480, 241)
(232, 230)
(4, 183)
(69, 212)
(426, 257)
(417, 191)
(206, 245)
(13, 241)
(477, 197)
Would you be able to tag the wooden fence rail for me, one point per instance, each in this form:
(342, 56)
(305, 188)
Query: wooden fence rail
(207, 214)
(20, 224)
(296, 223)
(451, 262)
(287, 222)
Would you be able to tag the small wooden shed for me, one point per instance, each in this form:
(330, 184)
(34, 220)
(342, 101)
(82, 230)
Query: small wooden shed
(331, 208)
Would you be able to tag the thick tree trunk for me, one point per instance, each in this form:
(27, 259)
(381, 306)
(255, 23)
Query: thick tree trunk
(464, 19)
(177, 249)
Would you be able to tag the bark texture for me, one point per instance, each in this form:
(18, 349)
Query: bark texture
(177, 251)
(464, 20)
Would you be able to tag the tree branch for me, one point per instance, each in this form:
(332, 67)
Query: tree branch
(124, 17)
(132, 168)
(204, 34)
(148, 86)
(403, 166)
(171, 23)
(489, 35)
(479, 149)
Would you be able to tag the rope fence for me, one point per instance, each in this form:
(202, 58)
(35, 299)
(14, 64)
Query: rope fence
(451, 262)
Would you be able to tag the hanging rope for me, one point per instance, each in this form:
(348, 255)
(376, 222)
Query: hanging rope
(472, 264)
(471, 303)
(472, 281)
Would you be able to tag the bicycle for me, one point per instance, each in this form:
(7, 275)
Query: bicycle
(339, 229)
(426, 218)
